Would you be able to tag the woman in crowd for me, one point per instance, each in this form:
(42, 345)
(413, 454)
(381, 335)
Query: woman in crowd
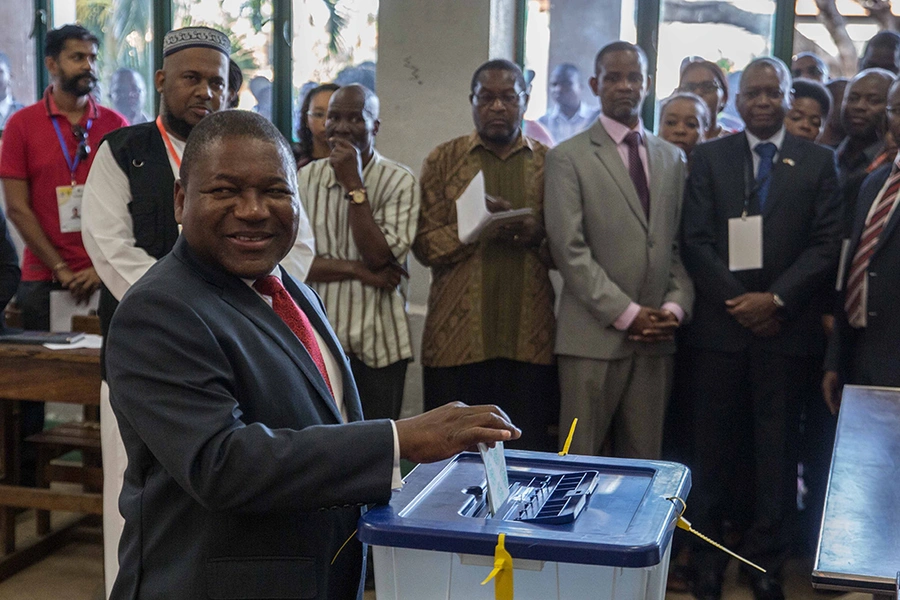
(809, 110)
(313, 145)
(684, 120)
(707, 80)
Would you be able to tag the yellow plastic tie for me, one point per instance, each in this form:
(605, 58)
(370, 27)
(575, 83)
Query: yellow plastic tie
(683, 523)
(347, 541)
(568, 443)
(503, 571)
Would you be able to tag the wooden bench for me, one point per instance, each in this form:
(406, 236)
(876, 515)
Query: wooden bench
(58, 441)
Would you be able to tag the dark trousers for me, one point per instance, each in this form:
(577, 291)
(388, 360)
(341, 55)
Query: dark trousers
(746, 411)
(33, 299)
(816, 445)
(380, 390)
(529, 394)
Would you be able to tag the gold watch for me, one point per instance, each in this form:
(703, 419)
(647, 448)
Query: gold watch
(357, 196)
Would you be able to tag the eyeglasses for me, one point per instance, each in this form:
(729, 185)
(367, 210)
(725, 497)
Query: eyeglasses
(81, 134)
(699, 87)
(489, 99)
(892, 110)
(318, 115)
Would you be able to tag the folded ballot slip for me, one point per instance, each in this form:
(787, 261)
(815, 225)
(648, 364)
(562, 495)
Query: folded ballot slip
(495, 474)
(473, 218)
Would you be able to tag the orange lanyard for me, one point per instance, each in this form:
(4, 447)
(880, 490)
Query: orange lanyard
(169, 146)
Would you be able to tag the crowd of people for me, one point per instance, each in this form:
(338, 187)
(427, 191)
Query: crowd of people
(719, 285)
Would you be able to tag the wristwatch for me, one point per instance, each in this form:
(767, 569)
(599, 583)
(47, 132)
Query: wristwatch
(777, 300)
(357, 196)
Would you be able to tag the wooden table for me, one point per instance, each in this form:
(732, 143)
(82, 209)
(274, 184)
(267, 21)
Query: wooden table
(32, 372)
(859, 545)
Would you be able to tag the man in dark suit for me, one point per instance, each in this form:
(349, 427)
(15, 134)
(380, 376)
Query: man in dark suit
(756, 329)
(247, 456)
(865, 346)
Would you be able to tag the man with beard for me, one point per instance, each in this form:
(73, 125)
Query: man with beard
(47, 151)
(489, 329)
(129, 216)
(364, 208)
(613, 209)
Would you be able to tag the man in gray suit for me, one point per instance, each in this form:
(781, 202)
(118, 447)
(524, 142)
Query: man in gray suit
(248, 459)
(612, 211)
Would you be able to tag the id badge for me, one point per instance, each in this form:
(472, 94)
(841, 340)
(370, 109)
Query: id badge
(745, 248)
(68, 198)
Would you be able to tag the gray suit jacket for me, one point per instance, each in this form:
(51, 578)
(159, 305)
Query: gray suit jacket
(605, 250)
(234, 446)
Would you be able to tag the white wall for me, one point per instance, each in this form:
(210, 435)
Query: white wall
(427, 52)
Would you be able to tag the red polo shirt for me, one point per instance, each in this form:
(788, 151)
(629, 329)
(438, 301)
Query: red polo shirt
(31, 151)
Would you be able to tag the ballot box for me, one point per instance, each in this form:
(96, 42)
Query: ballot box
(577, 527)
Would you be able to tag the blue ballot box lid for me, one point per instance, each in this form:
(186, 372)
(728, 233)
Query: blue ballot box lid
(628, 520)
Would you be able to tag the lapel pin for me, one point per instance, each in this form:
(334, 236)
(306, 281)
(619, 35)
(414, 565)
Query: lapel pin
(788, 161)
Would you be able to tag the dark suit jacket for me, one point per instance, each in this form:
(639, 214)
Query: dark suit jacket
(871, 356)
(234, 448)
(801, 242)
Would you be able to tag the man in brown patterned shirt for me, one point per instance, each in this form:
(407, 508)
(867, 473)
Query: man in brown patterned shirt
(490, 325)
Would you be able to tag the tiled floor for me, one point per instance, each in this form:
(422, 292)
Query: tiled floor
(75, 572)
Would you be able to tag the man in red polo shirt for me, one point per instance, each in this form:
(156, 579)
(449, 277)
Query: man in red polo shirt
(46, 155)
(44, 162)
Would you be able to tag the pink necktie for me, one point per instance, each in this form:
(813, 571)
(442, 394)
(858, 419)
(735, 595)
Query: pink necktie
(290, 313)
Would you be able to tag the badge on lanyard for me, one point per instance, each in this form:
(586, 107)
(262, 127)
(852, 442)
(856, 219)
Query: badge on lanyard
(68, 197)
(745, 248)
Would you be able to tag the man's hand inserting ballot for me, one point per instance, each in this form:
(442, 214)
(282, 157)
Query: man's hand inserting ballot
(452, 428)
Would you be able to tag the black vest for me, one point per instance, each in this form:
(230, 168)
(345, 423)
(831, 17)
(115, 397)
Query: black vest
(141, 154)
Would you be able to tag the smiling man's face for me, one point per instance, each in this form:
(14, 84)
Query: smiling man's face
(238, 206)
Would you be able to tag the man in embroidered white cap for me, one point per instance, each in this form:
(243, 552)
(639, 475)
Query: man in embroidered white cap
(128, 216)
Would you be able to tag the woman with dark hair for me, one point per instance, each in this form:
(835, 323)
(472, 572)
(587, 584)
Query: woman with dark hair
(707, 80)
(313, 144)
(683, 121)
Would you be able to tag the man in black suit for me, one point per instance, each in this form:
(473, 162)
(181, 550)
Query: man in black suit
(247, 456)
(865, 346)
(756, 330)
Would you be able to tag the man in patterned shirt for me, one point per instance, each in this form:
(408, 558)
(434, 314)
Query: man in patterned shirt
(363, 209)
(489, 331)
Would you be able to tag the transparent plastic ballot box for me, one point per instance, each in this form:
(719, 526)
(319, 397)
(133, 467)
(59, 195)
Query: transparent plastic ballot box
(577, 527)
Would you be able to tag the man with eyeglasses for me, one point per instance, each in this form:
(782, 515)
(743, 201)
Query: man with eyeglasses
(613, 210)
(807, 65)
(44, 162)
(364, 210)
(129, 216)
(490, 325)
(761, 237)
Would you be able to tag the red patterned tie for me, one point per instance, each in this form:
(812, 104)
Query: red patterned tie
(636, 171)
(290, 313)
(867, 242)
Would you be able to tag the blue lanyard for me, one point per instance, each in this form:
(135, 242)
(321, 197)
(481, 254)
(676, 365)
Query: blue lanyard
(72, 164)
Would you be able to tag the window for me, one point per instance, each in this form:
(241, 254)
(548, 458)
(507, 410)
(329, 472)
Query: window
(853, 26)
(333, 41)
(125, 63)
(569, 33)
(729, 33)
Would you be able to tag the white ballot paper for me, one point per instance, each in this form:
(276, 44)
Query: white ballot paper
(473, 217)
(495, 471)
(745, 243)
(63, 307)
(842, 264)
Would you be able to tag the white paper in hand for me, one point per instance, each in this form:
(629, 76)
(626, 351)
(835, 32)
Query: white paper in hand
(471, 210)
(495, 472)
